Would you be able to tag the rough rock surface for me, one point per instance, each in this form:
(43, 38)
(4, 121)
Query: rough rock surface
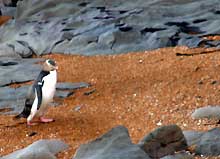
(17, 70)
(100, 27)
(12, 99)
(42, 149)
(72, 86)
(209, 144)
(210, 112)
(192, 137)
(114, 144)
(163, 141)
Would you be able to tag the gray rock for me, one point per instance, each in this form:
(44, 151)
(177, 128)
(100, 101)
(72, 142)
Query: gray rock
(14, 70)
(192, 137)
(210, 112)
(209, 144)
(63, 94)
(22, 48)
(8, 11)
(8, 51)
(12, 99)
(190, 41)
(163, 141)
(115, 144)
(96, 27)
(71, 86)
(43, 149)
(181, 155)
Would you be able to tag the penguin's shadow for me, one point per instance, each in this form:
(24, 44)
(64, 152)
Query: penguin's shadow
(14, 125)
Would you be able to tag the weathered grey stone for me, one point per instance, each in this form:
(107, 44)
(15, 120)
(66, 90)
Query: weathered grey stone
(192, 137)
(8, 51)
(115, 144)
(163, 141)
(107, 38)
(14, 70)
(190, 41)
(42, 149)
(63, 94)
(210, 112)
(12, 99)
(209, 144)
(22, 49)
(71, 86)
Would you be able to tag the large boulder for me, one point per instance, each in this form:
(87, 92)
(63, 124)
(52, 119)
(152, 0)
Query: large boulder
(115, 144)
(163, 141)
(42, 149)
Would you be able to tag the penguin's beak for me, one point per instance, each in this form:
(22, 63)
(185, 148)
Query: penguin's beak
(56, 67)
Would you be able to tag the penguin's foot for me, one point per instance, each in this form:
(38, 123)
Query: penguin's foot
(31, 123)
(46, 120)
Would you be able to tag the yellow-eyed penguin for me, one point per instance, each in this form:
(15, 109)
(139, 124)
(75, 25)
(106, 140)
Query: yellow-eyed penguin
(41, 94)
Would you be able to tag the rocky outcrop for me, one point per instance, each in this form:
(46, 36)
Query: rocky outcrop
(99, 27)
(42, 149)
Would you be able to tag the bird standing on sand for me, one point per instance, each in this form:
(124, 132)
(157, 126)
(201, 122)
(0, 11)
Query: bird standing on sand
(41, 94)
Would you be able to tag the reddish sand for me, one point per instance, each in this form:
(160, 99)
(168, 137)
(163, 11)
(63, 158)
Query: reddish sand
(138, 90)
(4, 19)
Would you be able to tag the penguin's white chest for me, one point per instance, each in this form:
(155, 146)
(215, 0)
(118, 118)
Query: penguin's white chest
(49, 87)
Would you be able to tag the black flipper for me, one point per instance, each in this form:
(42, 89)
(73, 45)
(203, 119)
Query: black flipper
(39, 93)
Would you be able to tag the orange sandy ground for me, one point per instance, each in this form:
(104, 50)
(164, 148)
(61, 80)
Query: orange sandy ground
(137, 90)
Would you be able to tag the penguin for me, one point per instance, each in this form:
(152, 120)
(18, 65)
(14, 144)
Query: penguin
(40, 94)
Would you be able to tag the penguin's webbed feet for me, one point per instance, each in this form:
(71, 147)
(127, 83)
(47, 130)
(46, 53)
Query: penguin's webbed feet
(29, 123)
(46, 120)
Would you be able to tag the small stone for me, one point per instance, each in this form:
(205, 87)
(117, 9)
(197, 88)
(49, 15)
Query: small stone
(77, 108)
(140, 61)
(31, 134)
(89, 92)
(200, 82)
(214, 82)
(159, 123)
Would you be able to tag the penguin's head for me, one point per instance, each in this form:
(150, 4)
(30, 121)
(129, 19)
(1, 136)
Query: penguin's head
(50, 65)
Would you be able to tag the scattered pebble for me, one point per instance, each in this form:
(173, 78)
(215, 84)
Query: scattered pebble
(140, 61)
(31, 134)
(89, 92)
(77, 108)
(159, 123)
